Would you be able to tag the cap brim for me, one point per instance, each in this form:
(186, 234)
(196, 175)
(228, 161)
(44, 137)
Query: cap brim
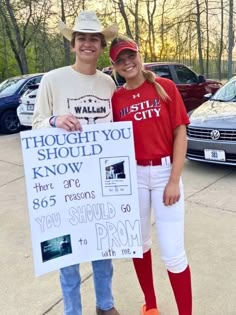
(115, 56)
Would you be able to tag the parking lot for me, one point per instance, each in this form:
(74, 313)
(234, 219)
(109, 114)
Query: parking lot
(210, 194)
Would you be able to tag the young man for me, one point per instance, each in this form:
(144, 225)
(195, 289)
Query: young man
(67, 98)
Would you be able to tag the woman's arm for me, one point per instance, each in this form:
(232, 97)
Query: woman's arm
(172, 191)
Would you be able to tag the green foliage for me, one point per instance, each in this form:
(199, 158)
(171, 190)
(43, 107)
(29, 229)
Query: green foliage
(8, 64)
(104, 60)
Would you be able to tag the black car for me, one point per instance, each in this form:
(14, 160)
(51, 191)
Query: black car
(10, 92)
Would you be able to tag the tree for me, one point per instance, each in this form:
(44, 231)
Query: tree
(197, 32)
(207, 38)
(20, 34)
(221, 41)
(121, 7)
(231, 37)
(151, 10)
(199, 35)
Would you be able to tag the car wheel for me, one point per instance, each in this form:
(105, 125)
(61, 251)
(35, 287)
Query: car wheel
(9, 122)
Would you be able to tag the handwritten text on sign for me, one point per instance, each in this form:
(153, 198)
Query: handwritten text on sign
(82, 194)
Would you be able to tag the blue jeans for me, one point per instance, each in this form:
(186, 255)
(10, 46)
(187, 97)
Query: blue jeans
(70, 284)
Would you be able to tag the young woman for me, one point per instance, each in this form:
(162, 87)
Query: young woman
(159, 118)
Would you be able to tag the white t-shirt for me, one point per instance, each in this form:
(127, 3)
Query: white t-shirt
(65, 90)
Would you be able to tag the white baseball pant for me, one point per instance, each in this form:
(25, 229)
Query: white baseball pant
(169, 219)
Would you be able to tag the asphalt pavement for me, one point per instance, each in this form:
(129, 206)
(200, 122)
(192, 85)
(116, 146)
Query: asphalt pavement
(210, 194)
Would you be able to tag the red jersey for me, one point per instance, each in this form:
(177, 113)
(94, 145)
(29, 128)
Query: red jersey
(154, 120)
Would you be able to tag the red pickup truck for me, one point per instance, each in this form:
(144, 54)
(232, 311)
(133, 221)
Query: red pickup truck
(192, 87)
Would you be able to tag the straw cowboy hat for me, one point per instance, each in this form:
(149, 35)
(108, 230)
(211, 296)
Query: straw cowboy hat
(88, 22)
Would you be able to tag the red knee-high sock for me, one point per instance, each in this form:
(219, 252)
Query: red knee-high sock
(143, 268)
(181, 285)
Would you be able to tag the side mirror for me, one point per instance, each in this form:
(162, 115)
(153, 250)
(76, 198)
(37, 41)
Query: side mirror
(207, 96)
(201, 79)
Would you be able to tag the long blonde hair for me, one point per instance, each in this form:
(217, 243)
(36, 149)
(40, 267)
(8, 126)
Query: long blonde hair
(148, 75)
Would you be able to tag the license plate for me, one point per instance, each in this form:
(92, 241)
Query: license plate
(215, 155)
(30, 107)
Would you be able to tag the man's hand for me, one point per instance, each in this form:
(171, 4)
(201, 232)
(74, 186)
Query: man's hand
(68, 122)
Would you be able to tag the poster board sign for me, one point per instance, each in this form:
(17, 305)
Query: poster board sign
(82, 194)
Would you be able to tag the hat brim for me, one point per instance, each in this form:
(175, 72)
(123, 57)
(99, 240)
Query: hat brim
(109, 33)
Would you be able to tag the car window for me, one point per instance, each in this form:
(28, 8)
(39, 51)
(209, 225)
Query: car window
(31, 92)
(162, 71)
(109, 71)
(32, 81)
(185, 75)
(119, 80)
(226, 93)
(10, 86)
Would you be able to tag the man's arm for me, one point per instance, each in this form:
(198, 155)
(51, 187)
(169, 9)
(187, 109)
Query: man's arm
(43, 106)
(43, 114)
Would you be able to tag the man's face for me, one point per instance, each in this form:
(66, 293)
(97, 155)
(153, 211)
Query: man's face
(87, 46)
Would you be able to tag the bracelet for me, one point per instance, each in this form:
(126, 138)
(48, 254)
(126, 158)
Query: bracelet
(52, 121)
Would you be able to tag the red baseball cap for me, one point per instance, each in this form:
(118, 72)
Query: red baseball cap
(119, 47)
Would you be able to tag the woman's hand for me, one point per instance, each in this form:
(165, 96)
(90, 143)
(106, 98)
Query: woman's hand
(171, 193)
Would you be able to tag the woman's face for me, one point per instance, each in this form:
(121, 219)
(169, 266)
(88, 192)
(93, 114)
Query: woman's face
(128, 64)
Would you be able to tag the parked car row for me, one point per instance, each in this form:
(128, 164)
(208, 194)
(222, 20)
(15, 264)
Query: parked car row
(22, 91)
(192, 87)
(212, 129)
(11, 90)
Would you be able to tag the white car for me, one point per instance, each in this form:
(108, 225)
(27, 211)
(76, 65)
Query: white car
(26, 108)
